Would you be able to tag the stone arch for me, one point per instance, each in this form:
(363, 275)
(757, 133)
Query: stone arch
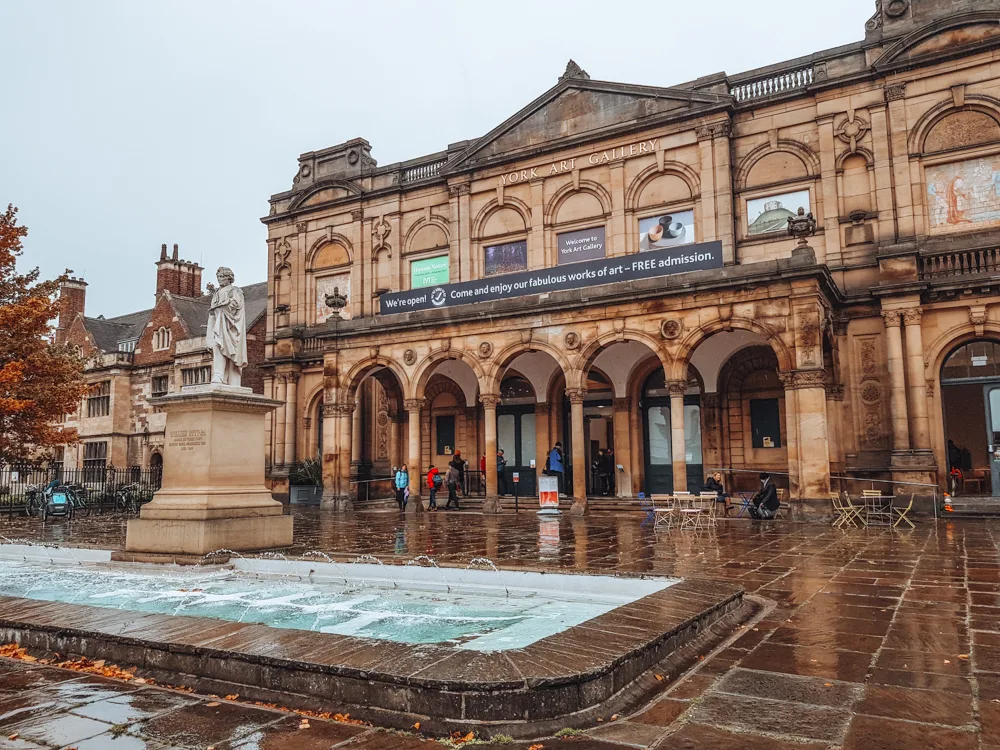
(349, 188)
(493, 206)
(745, 362)
(937, 352)
(423, 372)
(441, 385)
(491, 380)
(589, 353)
(422, 224)
(318, 252)
(927, 124)
(861, 151)
(921, 43)
(568, 190)
(803, 154)
(372, 366)
(652, 172)
(786, 358)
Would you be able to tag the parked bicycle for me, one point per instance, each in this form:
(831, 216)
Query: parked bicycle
(128, 499)
(34, 500)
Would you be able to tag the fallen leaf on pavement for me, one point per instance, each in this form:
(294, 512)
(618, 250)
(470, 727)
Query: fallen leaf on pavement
(213, 704)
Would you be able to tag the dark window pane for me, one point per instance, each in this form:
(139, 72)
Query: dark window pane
(765, 422)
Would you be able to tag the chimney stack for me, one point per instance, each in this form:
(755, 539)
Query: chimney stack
(177, 276)
(72, 302)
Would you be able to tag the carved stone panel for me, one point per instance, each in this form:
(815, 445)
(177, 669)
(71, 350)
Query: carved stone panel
(871, 391)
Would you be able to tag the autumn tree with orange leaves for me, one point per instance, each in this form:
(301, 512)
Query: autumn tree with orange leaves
(39, 381)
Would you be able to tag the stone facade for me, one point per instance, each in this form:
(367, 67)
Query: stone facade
(804, 361)
(132, 355)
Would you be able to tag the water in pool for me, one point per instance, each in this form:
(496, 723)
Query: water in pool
(481, 618)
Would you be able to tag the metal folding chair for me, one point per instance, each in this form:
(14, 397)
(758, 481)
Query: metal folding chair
(857, 511)
(646, 504)
(901, 512)
(664, 511)
(843, 514)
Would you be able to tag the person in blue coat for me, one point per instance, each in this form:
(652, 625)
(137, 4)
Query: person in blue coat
(556, 465)
(402, 482)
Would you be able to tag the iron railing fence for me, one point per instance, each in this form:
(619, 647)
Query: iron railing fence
(98, 485)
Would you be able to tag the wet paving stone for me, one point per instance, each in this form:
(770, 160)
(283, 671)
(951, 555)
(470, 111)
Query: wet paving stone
(662, 713)
(699, 737)
(867, 733)
(132, 707)
(810, 690)
(59, 729)
(203, 724)
(934, 707)
(847, 666)
(751, 714)
(288, 735)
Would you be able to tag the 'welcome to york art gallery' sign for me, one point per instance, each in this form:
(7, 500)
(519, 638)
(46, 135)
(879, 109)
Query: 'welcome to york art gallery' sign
(666, 262)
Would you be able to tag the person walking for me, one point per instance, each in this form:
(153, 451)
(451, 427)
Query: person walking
(434, 482)
(402, 484)
(556, 465)
(501, 473)
(459, 463)
(604, 470)
(451, 480)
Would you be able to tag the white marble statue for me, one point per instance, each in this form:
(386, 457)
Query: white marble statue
(226, 334)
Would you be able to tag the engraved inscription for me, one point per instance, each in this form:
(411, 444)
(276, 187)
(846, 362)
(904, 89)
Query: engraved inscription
(186, 440)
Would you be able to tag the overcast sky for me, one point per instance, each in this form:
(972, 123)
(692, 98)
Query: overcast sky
(129, 124)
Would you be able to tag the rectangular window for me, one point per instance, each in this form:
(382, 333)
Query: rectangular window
(161, 383)
(429, 272)
(95, 460)
(765, 422)
(506, 258)
(99, 400)
(196, 375)
(445, 426)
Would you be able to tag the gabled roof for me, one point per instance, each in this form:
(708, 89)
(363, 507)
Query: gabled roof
(193, 311)
(107, 332)
(579, 109)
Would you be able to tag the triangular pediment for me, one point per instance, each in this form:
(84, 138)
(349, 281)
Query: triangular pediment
(579, 109)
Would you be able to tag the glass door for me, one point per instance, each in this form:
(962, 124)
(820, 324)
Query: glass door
(659, 463)
(993, 435)
(516, 436)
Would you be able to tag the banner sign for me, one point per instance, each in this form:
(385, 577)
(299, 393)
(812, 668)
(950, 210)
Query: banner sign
(648, 265)
(583, 244)
(429, 272)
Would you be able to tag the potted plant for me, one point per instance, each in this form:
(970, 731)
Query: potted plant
(306, 482)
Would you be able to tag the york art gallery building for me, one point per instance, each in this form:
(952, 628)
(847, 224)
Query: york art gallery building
(611, 268)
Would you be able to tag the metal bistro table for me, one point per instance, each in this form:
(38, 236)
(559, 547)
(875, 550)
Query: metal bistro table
(745, 498)
(878, 510)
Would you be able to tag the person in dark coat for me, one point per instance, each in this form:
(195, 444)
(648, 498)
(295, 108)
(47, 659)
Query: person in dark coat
(501, 473)
(765, 501)
(714, 484)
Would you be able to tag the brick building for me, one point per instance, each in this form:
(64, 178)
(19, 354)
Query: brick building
(611, 267)
(147, 353)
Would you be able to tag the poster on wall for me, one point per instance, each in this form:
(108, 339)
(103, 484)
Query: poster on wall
(324, 286)
(506, 258)
(666, 230)
(962, 194)
(429, 272)
(771, 214)
(583, 244)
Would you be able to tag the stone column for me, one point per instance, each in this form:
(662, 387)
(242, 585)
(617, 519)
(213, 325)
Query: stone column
(917, 383)
(291, 410)
(356, 438)
(332, 439)
(345, 416)
(413, 408)
(490, 401)
(791, 435)
(897, 381)
(808, 389)
(543, 442)
(576, 397)
(620, 409)
(678, 453)
(279, 420)
(835, 424)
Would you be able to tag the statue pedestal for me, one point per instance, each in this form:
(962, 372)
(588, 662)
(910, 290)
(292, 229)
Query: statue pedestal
(213, 494)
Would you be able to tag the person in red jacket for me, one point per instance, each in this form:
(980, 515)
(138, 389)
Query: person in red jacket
(434, 481)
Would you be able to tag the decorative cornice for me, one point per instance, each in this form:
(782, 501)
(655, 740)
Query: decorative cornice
(576, 395)
(338, 410)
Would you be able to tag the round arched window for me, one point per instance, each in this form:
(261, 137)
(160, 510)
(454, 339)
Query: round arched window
(977, 359)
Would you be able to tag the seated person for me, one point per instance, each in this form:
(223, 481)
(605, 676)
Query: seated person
(714, 484)
(765, 503)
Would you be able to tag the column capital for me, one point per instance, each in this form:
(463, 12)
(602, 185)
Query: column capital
(489, 400)
(413, 404)
(911, 316)
(892, 318)
(621, 404)
(292, 377)
(798, 379)
(834, 392)
(542, 408)
(338, 410)
(677, 387)
(576, 395)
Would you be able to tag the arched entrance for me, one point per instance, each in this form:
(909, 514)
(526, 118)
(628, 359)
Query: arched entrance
(970, 399)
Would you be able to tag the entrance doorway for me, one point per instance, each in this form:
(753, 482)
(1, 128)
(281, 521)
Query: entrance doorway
(516, 435)
(657, 438)
(970, 397)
